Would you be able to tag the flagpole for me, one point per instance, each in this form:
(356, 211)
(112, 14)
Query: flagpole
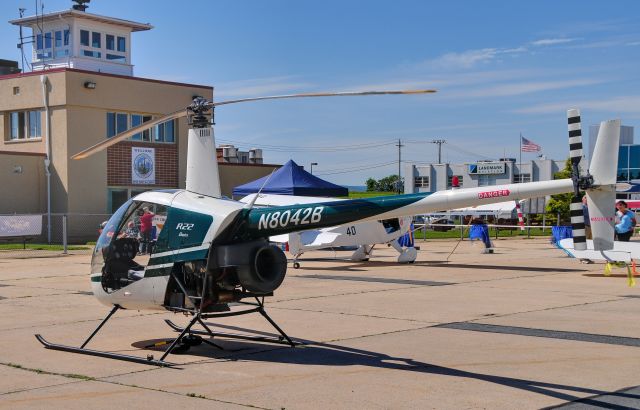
(520, 166)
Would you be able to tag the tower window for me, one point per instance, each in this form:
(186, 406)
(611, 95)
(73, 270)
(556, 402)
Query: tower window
(84, 38)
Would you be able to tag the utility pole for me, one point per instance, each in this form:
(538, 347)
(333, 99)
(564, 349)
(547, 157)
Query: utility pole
(439, 142)
(399, 145)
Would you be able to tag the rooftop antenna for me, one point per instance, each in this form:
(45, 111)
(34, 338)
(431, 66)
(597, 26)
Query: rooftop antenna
(81, 5)
(21, 10)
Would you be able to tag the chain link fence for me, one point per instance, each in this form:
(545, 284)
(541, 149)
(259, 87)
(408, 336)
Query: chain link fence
(36, 235)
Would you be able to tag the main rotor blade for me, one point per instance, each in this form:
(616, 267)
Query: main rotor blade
(183, 113)
(127, 134)
(340, 94)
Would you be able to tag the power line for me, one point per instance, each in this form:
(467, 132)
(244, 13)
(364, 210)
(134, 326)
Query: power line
(293, 148)
(352, 169)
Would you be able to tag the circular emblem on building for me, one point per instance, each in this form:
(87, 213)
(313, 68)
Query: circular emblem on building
(143, 165)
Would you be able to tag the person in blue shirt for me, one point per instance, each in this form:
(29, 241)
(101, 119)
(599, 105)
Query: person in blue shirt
(624, 228)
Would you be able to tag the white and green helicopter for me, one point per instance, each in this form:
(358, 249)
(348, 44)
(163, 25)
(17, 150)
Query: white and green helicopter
(211, 252)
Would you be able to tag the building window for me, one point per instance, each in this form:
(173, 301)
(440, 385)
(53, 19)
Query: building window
(89, 53)
(25, 125)
(16, 90)
(58, 38)
(119, 122)
(421, 182)
(96, 40)
(47, 40)
(520, 178)
(110, 42)
(115, 58)
(84, 38)
(35, 128)
(122, 44)
(487, 180)
(116, 123)
(44, 45)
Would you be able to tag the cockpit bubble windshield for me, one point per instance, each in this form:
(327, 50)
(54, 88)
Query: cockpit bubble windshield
(126, 243)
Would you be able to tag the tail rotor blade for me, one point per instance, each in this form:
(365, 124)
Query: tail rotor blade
(577, 224)
(575, 135)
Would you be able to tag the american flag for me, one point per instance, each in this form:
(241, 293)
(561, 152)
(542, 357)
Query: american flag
(528, 146)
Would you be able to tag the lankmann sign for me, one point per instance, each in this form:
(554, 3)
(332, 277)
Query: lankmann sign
(487, 168)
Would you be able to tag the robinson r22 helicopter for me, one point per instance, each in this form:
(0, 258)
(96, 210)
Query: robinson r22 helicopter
(212, 251)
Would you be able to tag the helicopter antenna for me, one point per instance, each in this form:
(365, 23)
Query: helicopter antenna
(255, 198)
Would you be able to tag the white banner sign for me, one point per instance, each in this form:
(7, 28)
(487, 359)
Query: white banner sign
(20, 225)
(487, 168)
(143, 165)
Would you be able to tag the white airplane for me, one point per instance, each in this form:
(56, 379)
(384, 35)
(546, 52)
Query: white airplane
(364, 235)
(213, 251)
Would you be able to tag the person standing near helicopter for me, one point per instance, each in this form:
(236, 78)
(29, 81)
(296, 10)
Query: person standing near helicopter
(146, 226)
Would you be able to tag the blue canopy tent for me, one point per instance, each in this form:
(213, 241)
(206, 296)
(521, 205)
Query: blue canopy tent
(291, 179)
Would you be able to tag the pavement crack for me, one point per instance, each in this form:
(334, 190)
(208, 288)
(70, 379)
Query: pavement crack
(193, 395)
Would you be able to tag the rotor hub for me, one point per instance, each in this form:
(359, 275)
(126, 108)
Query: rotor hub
(200, 113)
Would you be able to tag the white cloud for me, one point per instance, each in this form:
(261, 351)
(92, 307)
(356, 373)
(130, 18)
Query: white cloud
(465, 59)
(552, 41)
(621, 104)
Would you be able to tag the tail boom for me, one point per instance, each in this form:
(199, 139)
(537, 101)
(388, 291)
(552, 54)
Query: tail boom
(264, 222)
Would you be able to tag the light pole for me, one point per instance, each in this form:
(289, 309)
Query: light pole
(312, 164)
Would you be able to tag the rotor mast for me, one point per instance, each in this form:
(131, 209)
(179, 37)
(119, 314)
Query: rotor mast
(203, 176)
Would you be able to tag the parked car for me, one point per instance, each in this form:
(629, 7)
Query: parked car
(441, 222)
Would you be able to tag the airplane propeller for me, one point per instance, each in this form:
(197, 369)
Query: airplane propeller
(201, 105)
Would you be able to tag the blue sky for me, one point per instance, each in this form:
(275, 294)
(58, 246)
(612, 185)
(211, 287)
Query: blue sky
(501, 68)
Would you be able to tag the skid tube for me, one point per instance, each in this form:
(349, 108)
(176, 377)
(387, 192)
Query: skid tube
(99, 353)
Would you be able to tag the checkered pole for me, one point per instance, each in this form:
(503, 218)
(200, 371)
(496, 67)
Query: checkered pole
(520, 217)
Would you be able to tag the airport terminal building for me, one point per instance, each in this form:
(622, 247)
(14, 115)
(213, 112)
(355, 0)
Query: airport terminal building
(81, 90)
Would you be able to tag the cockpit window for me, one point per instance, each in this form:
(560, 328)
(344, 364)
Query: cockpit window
(127, 242)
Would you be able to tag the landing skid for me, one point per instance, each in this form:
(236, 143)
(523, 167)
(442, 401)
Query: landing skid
(188, 337)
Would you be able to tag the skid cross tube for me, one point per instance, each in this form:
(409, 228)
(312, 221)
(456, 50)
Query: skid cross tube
(283, 339)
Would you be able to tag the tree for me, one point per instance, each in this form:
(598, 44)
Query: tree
(371, 184)
(386, 184)
(560, 204)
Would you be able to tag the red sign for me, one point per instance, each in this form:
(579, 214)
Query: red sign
(493, 194)
(601, 219)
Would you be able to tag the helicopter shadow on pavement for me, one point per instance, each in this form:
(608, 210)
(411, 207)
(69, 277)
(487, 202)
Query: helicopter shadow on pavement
(310, 353)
